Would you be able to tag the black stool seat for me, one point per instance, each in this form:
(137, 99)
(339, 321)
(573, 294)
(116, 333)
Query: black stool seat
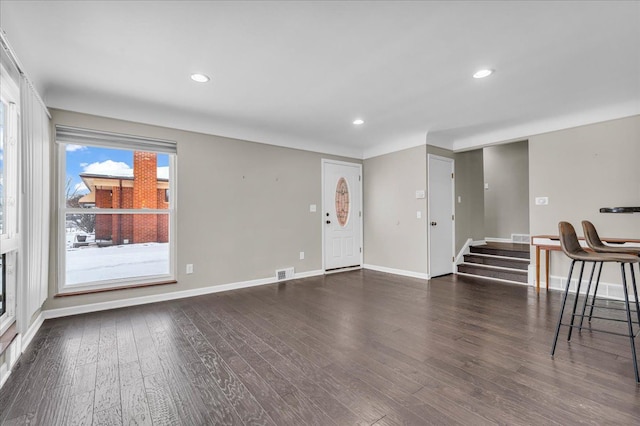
(571, 247)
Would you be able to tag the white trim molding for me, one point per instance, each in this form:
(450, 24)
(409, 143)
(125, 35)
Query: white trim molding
(27, 337)
(606, 290)
(464, 250)
(143, 300)
(394, 271)
(497, 240)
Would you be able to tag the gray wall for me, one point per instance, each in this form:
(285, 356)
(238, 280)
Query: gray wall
(394, 237)
(506, 202)
(469, 187)
(243, 209)
(580, 170)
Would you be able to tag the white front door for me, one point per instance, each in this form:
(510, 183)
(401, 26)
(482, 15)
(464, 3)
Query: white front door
(440, 213)
(342, 214)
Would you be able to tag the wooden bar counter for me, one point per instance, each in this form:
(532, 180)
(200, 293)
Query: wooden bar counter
(550, 243)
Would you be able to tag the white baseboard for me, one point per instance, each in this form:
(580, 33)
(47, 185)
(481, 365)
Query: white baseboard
(397, 271)
(123, 303)
(31, 332)
(498, 240)
(606, 290)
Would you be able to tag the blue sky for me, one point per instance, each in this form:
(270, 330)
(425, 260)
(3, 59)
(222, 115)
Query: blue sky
(80, 158)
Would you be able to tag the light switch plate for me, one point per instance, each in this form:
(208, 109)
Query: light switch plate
(542, 201)
(312, 208)
(420, 193)
(418, 214)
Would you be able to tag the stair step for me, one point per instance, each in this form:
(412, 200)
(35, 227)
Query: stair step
(495, 251)
(504, 262)
(493, 272)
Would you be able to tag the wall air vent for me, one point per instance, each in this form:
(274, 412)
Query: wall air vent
(284, 274)
(520, 238)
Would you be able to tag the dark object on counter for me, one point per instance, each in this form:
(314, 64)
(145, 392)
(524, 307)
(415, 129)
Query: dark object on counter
(620, 210)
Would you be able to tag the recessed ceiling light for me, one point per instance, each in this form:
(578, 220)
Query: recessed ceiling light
(482, 73)
(358, 121)
(200, 78)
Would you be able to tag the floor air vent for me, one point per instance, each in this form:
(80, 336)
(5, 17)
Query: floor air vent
(520, 238)
(284, 274)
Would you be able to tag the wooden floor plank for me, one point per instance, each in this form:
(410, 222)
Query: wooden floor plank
(358, 347)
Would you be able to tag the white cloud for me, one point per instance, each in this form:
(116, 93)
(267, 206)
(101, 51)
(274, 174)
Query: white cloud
(117, 168)
(163, 172)
(110, 168)
(72, 148)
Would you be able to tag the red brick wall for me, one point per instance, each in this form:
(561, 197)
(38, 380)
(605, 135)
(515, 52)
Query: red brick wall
(103, 221)
(145, 195)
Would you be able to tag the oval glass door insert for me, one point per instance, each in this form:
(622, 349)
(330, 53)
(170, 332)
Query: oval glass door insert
(342, 202)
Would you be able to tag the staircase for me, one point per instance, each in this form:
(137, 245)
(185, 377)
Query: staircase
(503, 261)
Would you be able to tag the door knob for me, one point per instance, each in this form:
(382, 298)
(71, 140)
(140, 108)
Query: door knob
(434, 223)
(328, 222)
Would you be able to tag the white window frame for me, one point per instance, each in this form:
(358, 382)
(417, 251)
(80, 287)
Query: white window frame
(63, 210)
(10, 237)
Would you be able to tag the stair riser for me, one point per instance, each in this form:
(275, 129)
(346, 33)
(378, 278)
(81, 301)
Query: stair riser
(493, 273)
(496, 261)
(500, 252)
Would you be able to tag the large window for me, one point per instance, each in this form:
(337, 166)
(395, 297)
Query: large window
(9, 173)
(117, 223)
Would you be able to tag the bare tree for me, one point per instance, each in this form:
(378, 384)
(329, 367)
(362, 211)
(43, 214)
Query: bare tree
(85, 222)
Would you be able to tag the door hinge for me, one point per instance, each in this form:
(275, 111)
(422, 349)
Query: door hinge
(359, 178)
(451, 175)
(453, 259)
(360, 214)
(360, 249)
(453, 217)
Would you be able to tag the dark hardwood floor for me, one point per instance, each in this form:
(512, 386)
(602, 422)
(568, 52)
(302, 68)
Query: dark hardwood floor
(358, 347)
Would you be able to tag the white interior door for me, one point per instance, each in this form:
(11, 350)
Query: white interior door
(342, 214)
(440, 213)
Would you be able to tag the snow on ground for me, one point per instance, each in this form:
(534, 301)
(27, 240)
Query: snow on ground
(89, 264)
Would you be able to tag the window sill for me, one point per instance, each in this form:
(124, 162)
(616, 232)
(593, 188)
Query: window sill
(7, 337)
(116, 288)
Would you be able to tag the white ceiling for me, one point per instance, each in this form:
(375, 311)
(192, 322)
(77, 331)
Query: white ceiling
(298, 73)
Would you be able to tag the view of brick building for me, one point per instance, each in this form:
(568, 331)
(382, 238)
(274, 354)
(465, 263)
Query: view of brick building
(140, 188)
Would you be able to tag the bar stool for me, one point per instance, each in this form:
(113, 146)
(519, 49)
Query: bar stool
(571, 247)
(595, 243)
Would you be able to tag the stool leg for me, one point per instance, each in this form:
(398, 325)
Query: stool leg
(631, 336)
(586, 297)
(635, 292)
(595, 292)
(575, 302)
(564, 302)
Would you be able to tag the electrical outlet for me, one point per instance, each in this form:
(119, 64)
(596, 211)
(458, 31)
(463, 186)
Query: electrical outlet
(189, 268)
(312, 208)
(301, 255)
(418, 214)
